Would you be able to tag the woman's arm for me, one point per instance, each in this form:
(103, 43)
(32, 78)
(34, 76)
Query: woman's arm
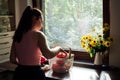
(13, 58)
(42, 43)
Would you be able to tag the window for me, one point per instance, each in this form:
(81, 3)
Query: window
(66, 21)
(7, 18)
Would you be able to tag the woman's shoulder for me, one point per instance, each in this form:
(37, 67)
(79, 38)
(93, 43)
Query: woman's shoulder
(38, 33)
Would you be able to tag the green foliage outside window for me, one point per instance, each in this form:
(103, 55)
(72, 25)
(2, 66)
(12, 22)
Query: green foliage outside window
(66, 21)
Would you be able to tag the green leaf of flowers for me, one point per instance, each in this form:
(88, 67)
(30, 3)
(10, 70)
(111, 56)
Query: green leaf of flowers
(91, 55)
(92, 52)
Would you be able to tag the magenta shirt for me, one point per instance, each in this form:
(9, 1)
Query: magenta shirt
(27, 51)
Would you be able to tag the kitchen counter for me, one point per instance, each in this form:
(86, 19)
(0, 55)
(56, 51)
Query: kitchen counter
(83, 71)
(76, 73)
(79, 71)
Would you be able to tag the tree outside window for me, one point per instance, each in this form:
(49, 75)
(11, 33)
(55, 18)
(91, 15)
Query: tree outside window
(66, 21)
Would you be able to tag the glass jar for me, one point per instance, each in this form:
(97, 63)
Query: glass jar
(61, 65)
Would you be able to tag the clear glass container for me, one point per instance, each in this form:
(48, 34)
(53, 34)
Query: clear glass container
(61, 65)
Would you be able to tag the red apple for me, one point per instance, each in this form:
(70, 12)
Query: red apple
(60, 62)
(61, 55)
(43, 59)
(59, 69)
(55, 67)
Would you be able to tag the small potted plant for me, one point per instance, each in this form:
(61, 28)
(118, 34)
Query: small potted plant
(97, 43)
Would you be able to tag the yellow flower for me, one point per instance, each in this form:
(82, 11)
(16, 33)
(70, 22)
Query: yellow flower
(110, 39)
(99, 36)
(106, 27)
(94, 29)
(107, 43)
(96, 42)
(83, 45)
(93, 42)
(84, 38)
(89, 37)
(87, 48)
(101, 42)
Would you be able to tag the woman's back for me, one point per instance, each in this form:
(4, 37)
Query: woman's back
(27, 50)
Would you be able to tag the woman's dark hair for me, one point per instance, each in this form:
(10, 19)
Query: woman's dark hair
(26, 22)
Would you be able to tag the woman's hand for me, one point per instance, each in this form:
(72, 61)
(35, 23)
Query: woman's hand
(62, 54)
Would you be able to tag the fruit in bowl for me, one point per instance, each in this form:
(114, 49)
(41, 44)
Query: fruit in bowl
(61, 55)
(61, 63)
(59, 69)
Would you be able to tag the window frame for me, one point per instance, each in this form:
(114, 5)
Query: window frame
(79, 55)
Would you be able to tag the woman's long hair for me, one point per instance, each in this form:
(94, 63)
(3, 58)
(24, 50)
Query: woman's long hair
(26, 22)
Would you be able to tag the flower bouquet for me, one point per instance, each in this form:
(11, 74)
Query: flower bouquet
(97, 42)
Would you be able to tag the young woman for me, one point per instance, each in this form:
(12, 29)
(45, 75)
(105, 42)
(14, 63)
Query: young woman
(29, 46)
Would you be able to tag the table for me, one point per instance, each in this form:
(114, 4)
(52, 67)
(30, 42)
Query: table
(78, 72)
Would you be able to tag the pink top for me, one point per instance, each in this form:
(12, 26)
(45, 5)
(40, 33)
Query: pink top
(28, 53)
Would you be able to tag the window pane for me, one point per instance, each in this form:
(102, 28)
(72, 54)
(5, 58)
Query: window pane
(66, 21)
